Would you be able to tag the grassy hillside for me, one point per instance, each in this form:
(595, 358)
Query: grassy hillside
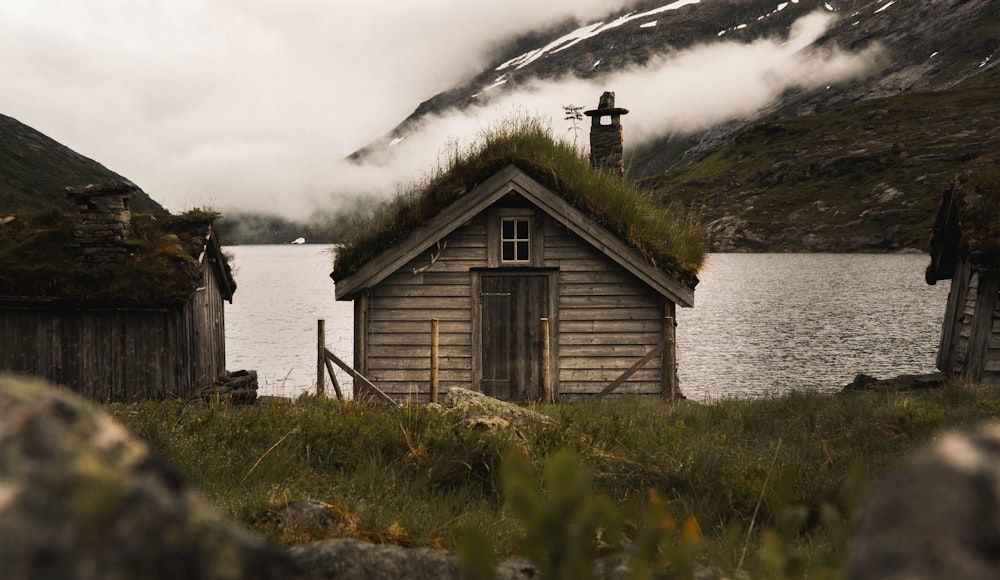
(35, 170)
(866, 176)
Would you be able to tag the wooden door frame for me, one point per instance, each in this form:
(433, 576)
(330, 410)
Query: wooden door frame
(477, 319)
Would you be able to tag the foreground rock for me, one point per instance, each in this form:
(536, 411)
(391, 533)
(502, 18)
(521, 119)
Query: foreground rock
(863, 382)
(81, 499)
(939, 517)
(479, 407)
(357, 559)
(347, 558)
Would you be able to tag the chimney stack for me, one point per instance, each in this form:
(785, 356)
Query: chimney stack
(606, 139)
(102, 221)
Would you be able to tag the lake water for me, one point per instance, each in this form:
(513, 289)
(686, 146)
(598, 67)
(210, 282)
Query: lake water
(763, 324)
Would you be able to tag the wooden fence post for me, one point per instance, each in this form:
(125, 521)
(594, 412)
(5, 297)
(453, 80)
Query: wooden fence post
(320, 357)
(670, 356)
(435, 379)
(545, 354)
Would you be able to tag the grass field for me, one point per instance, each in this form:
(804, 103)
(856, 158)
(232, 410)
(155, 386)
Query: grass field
(767, 486)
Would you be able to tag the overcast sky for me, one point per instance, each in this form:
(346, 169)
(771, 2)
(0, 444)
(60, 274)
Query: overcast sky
(252, 104)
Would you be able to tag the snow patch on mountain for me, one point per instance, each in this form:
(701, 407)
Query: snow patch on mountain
(588, 31)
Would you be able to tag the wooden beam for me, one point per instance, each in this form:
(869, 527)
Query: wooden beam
(436, 228)
(670, 358)
(435, 380)
(602, 239)
(358, 377)
(360, 336)
(657, 350)
(333, 379)
(320, 358)
(546, 357)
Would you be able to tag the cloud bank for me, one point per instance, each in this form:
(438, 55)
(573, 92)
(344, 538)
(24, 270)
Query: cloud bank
(251, 104)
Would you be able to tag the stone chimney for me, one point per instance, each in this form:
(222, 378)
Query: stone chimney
(102, 221)
(606, 138)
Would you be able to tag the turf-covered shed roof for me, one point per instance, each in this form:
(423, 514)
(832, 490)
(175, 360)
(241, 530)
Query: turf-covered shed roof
(967, 224)
(667, 238)
(166, 255)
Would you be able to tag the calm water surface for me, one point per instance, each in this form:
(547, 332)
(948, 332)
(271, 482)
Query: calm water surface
(271, 324)
(763, 324)
(767, 323)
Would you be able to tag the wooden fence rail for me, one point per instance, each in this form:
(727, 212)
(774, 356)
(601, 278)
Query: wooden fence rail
(323, 367)
(667, 348)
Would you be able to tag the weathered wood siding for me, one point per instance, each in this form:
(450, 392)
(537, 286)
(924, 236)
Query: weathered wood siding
(127, 354)
(399, 313)
(205, 314)
(608, 320)
(605, 319)
(970, 338)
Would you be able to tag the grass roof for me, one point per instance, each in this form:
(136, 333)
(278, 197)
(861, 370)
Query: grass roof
(36, 262)
(968, 221)
(977, 194)
(668, 237)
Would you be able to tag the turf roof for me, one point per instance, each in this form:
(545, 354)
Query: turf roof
(668, 237)
(37, 264)
(968, 222)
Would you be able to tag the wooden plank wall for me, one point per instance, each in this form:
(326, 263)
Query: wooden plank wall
(970, 338)
(991, 369)
(608, 320)
(951, 327)
(103, 355)
(984, 354)
(400, 310)
(963, 327)
(205, 317)
(119, 354)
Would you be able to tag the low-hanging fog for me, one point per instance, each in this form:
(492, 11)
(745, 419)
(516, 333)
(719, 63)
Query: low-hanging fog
(252, 105)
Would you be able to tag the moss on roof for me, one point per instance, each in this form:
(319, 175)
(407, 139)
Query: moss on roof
(36, 262)
(668, 237)
(968, 221)
(978, 198)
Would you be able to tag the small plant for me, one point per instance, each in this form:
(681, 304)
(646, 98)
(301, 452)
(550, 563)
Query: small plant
(574, 114)
(562, 523)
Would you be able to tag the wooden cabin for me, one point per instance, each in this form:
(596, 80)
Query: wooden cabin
(965, 248)
(114, 308)
(513, 251)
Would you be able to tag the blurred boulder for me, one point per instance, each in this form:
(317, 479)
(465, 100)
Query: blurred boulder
(82, 499)
(939, 517)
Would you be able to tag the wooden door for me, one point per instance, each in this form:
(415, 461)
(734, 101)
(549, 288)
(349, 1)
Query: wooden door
(512, 305)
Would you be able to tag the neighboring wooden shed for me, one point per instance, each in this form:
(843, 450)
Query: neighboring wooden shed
(513, 240)
(965, 248)
(114, 306)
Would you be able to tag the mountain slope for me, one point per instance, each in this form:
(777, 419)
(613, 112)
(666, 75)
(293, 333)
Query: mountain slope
(35, 170)
(854, 166)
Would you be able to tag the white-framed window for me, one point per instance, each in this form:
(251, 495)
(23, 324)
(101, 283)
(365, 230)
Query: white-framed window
(515, 240)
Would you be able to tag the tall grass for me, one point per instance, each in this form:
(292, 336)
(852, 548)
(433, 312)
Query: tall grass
(668, 236)
(768, 482)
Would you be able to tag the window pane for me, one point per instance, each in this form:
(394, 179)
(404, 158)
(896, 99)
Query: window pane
(508, 229)
(522, 251)
(522, 229)
(508, 251)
